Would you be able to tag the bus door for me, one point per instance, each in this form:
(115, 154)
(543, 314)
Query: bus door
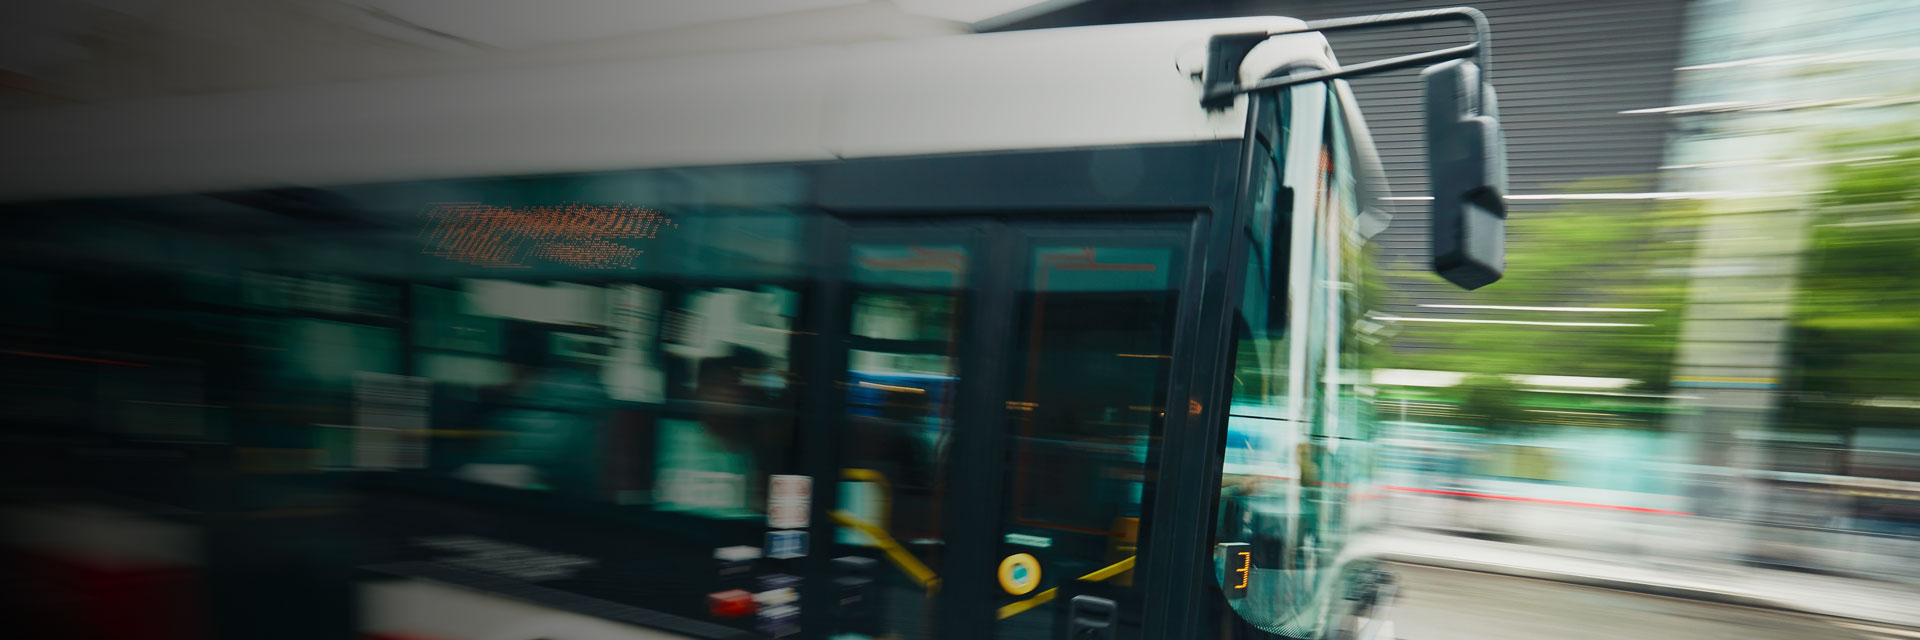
(909, 289)
(1003, 393)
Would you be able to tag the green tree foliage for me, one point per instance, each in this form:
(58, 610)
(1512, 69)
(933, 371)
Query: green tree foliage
(1493, 403)
(1856, 314)
(1593, 254)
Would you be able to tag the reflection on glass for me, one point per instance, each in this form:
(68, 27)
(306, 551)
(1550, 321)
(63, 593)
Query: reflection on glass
(1085, 389)
(556, 400)
(901, 374)
(1296, 452)
(726, 350)
(545, 419)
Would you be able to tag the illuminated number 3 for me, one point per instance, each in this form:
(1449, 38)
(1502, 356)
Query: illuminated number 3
(1246, 567)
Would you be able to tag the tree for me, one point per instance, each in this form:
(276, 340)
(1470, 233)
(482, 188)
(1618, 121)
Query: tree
(1492, 403)
(1856, 315)
(1610, 255)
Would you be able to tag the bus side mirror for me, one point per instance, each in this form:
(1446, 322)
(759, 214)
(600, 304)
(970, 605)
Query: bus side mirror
(1467, 168)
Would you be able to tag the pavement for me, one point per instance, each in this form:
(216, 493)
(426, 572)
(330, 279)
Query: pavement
(1445, 604)
(1858, 601)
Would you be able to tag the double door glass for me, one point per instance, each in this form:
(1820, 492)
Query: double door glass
(1074, 327)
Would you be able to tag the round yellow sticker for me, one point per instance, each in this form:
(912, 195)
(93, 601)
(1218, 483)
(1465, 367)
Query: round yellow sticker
(1019, 574)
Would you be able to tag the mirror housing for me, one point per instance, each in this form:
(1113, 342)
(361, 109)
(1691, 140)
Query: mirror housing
(1467, 171)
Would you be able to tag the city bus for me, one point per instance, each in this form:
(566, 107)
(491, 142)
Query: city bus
(1044, 334)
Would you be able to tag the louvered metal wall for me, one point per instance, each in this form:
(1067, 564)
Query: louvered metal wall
(1565, 69)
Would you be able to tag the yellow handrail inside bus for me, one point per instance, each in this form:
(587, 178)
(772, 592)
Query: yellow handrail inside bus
(898, 554)
(905, 560)
(1044, 597)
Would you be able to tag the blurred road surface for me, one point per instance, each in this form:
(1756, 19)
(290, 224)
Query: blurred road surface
(1445, 604)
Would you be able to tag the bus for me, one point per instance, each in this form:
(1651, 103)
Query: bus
(1043, 334)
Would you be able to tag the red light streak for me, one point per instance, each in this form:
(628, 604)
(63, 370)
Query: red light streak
(1567, 503)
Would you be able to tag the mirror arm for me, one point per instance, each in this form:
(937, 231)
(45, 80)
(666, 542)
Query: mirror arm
(1481, 33)
(1221, 85)
(1364, 68)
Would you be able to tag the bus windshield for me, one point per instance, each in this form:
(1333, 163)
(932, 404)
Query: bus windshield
(1294, 458)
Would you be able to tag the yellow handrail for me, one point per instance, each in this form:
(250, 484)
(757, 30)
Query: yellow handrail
(1044, 597)
(898, 554)
(923, 575)
(902, 558)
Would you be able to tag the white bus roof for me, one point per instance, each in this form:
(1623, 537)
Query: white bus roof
(1047, 89)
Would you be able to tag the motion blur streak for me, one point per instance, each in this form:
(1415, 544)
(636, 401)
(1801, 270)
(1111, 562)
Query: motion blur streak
(1488, 496)
(841, 320)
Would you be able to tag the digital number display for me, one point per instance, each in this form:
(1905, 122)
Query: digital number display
(1234, 562)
